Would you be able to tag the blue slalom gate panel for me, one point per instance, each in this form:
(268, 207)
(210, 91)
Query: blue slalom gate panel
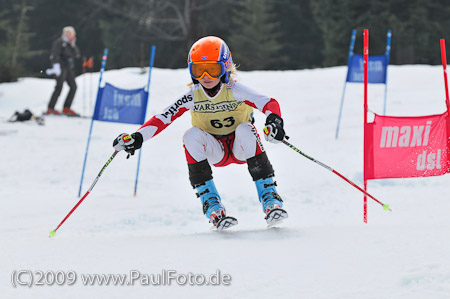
(376, 72)
(121, 105)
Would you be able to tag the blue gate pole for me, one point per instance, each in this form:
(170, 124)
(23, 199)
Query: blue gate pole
(152, 58)
(388, 54)
(105, 57)
(349, 59)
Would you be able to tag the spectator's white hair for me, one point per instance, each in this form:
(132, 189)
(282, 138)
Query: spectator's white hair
(68, 29)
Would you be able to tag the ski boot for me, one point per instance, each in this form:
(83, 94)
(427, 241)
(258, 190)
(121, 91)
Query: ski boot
(271, 202)
(69, 112)
(212, 206)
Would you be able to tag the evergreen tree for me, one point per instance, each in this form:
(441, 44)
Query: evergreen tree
(14, 37)
(254, 38)
(416, 25)
(301, 38)
(262, 34)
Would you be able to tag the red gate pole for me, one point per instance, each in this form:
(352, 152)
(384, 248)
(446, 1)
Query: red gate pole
(444, 65)
(366, 67)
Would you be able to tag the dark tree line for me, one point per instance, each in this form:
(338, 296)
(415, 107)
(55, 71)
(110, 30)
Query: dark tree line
(262, 34)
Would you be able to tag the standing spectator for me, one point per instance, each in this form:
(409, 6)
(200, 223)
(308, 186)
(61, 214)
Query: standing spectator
(64, 52)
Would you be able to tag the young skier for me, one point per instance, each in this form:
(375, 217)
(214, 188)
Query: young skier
(222, 130)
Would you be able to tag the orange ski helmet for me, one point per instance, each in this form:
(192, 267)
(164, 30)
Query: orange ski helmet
(210, 56)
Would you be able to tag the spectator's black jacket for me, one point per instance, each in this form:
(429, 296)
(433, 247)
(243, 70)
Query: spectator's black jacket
(64, 54)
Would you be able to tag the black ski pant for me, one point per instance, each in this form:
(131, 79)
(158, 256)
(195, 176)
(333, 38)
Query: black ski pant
(67, 75)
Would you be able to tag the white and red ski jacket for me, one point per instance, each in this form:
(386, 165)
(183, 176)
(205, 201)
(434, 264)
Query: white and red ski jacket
(226, 104)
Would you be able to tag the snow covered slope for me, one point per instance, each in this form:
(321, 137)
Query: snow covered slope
(324, 250)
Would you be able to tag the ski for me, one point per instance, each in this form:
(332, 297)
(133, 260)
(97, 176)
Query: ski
(78, 116)
(67, 115)
(225, 223)
(276, 216)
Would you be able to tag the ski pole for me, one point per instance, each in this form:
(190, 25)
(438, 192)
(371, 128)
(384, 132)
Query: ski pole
(53, 232)
(385, 207)
(91, 67)
(84, 85)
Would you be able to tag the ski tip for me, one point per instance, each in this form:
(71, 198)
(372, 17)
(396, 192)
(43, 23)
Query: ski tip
(387, 208)
(226, 223)
(276, 216)
(52, 233)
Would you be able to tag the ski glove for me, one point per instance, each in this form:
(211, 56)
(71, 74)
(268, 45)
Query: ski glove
(129, 143)
(273, 131)
(56, 70)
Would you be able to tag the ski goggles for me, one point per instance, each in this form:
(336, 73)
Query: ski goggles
(213, 70)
